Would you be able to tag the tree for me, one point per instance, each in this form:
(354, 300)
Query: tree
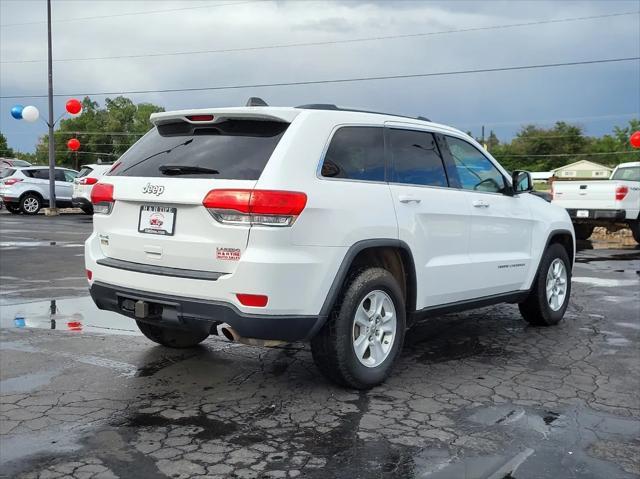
(104, 133)
(5, 151)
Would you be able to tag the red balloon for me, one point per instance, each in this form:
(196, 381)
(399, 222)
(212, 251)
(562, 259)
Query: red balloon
(73, 144)
(74, 106)
(635, 140)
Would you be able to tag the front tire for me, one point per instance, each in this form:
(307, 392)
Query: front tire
(583, 232)
(551, 289)
(363, 336)
(30, 204)
(171, 337)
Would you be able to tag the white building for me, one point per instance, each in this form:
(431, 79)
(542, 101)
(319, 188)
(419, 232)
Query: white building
(583, 169)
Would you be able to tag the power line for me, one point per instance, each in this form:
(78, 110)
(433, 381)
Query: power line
(333, 42)
(148, 12)
(535, 122)
(340, 80)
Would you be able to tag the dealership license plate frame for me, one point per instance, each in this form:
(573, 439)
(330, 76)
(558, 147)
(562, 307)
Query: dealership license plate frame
(162, 210)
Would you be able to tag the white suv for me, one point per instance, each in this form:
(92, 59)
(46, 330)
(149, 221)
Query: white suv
(316, 223)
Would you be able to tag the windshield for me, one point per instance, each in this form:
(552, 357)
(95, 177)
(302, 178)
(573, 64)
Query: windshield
(230, 149)
(628, 173)
(20, 163)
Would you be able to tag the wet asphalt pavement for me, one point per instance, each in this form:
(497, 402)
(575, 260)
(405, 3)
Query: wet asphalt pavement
(475, 395)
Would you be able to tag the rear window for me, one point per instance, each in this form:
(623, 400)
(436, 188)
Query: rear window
(84, 171)
(40, 174)
(628, 173)
(6, 172)
(230, 150)
(355, 152)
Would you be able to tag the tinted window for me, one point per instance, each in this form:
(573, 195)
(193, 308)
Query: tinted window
(41, 174)
(416, 159)
(70, 175)
(476, 172)
(355, 152)
(628, 173)
(234, 149)
(60, 175)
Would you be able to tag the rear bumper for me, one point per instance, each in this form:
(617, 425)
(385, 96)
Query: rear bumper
(81, 202)
(201, 315)
(601, 215)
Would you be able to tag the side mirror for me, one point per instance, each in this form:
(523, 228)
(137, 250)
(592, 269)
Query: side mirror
(521, 181)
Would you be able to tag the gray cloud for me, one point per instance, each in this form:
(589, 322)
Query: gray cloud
(468, 101)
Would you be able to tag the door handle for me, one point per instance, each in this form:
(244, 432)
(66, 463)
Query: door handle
(408, 199)
(480, 204)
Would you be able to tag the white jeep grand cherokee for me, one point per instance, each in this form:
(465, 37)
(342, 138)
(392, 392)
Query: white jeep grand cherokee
(316, 223)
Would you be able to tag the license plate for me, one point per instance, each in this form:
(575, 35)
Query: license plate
(582, 213)
(157, 220)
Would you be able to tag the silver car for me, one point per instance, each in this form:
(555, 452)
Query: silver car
(26, 190)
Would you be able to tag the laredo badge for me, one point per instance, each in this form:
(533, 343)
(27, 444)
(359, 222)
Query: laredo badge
(228, 254)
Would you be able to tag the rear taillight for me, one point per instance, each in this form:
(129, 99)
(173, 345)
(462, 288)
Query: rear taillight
(12, 181)
(200, 117)
(87, 181)
(621, 192)
(89, 274)
(102, 198)
(258, 207)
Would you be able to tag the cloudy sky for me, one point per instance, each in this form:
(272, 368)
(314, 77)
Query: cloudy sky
(595, 96)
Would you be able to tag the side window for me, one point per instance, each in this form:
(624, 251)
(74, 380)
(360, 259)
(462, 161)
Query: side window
(60, 175)
(357, 153)
(476, 172)
(70, 175)
(42, 174)
(416, 158)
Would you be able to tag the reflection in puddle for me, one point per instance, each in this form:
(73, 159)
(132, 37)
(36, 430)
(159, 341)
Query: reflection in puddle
(74, 314)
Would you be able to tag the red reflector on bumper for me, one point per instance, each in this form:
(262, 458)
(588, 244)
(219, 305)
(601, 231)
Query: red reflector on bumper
(89, 274)
(255, 300)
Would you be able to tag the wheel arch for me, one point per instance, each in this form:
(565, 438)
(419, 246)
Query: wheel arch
(565, 239)
(391, 254)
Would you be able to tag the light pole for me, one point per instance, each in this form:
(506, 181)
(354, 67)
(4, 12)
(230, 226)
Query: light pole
(52, 210)
(31, 114)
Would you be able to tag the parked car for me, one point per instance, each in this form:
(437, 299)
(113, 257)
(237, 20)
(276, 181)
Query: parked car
(613, 203)
(320, 224)
(83, 184)
(26, 190)
(12, 162)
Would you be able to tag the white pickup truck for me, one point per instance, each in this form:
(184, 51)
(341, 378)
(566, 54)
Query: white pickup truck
(612, 203)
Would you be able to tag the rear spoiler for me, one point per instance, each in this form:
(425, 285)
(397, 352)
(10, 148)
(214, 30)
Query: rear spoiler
(284, 115)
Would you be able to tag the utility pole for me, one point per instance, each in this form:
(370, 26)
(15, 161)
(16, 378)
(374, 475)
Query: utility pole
(484, 145)
(52, 210)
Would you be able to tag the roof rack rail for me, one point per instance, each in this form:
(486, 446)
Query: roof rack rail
(255, 101)
(332, 107)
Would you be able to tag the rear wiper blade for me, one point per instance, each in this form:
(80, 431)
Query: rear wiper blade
(186, 170)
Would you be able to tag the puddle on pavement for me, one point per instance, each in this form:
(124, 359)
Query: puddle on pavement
(73, 315)
(605, 282)
(6, 245)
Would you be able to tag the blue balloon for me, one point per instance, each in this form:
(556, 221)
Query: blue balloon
(16, 112)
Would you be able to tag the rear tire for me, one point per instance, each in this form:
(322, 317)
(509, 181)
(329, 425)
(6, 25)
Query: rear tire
(583, 232)
(30, 204)
(370, 317)
(13, 209)
(171, 337)
(635, 230)
(554, 276)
